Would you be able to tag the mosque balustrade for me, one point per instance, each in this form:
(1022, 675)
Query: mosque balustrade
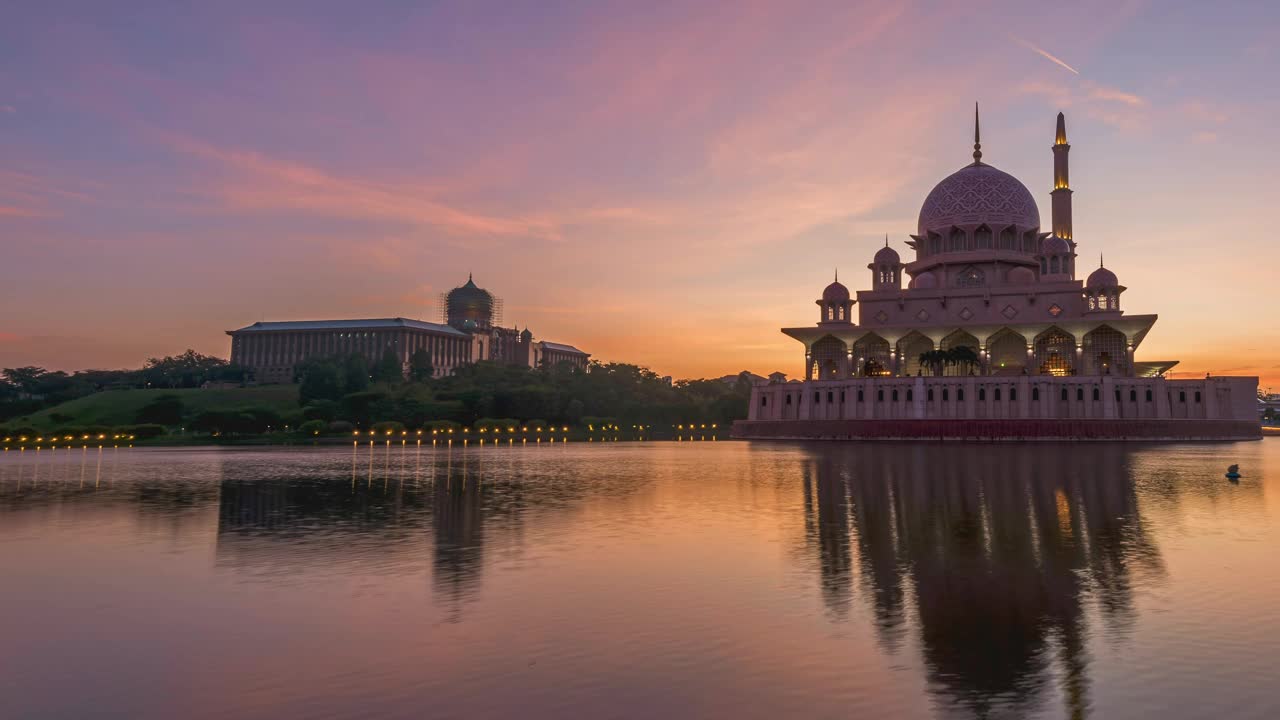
(995, 397)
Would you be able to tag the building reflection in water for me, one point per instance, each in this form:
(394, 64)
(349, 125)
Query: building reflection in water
(991, 555)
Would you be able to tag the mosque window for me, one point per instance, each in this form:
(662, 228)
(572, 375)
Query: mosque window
(1095, 394)
(1013, 394)
(1079, 393)
(895, 395)
(935, 243)
(944, 395)
(1035, 394)
(1148, 394)
(1044, 266)
(859, 396)
(764, 400)
(880, 395)
(957, 240)
(997, 395)
(1093, 302)
(1197, 396)
(1133, 396)
(1055, 310)
(788, 398)
(910, 395)
(831, 396)
(970, 277)
(1182, 396)
(982, 238)
(1055, 266)
(841, 397)
(959, 394)
(817, 397)
(982, 393)
(1008, 240)
(929, 395)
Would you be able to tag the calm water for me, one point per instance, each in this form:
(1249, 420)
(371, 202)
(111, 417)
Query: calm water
(642, 580)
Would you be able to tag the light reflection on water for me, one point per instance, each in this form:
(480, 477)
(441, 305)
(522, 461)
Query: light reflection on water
(641, 579)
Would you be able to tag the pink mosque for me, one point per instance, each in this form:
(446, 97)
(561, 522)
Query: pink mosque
(993, 337)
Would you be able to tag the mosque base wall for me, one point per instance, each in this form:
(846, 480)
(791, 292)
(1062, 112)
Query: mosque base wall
(1170, 430)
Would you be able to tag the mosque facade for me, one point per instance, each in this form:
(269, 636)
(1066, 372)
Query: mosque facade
(990, 328)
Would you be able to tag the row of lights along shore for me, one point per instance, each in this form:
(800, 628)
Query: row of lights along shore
(53, 441)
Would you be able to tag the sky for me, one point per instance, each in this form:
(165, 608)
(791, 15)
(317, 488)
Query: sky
(664, 183)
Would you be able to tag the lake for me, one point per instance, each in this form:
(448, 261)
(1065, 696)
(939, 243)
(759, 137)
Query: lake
(640, 580)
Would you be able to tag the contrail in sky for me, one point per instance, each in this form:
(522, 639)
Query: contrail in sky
(1043, 53)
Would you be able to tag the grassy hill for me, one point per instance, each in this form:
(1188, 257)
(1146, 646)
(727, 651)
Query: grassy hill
(119, 407)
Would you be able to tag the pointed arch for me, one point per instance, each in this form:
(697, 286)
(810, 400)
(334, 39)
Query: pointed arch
(830, 358)
(1006, 353)
(982, 238)
(1009, 239)
(960, 362)
(956, 243)
(1055, 352)
(1105, 352)
(871, 356)
(910, 347)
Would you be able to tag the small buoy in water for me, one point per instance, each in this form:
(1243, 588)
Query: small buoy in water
(1233, 472)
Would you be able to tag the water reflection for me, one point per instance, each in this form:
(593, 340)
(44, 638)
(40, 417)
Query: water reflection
(1000, 551)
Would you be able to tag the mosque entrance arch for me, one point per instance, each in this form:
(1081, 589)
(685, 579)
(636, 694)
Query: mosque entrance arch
(910, 348)
(1055, 352)
(828, 358)
(1007, 353)
(871, 356)
(962, 353)
(1105, 352)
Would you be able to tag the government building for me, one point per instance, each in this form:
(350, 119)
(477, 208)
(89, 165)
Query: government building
(470, 333)
(993, 336)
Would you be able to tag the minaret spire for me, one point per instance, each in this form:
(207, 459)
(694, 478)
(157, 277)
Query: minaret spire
(886, 239)
(1061, 182)
(977, 136)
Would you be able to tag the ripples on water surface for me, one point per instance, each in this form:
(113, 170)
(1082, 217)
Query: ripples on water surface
(641, 580)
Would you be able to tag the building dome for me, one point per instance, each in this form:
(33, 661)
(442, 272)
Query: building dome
(1022, 276)
(1102, 278)
(887, 256)
(1054, 245)
(469, 307)
(976, 194)
(924, 281)
(835, 293)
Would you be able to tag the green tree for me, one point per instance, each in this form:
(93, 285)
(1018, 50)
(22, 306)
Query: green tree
(321, 381)
(388, 369)
(164, 410)
(355, 374)
(420, 367)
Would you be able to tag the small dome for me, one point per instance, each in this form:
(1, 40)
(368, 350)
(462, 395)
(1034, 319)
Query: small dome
(924, 281)
(1102, 278)
(835, 292)
(887, 256)
(1022, 276)
(1054, 245)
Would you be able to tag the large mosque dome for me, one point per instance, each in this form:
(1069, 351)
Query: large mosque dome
(469, 307)
(978, 194)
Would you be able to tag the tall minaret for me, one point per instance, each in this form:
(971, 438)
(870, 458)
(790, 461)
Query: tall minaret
(1061, 185)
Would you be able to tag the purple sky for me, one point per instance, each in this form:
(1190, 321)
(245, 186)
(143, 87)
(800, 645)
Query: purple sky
(661, 182)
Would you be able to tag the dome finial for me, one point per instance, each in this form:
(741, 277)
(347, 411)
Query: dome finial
(837, 274)
(886, 239)
(977, 136)
(1100, 260)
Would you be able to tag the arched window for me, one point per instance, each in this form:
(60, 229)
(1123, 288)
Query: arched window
(982, 238)
(935, 243)
(1054, 267)
(1044, 266)
(1008, 239)
(957, 240)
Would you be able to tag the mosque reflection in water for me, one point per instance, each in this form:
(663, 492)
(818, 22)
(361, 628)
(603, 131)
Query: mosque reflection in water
(994, 565)
(997, 553)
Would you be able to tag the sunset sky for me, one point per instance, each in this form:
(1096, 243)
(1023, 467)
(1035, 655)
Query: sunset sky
(665, 183)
